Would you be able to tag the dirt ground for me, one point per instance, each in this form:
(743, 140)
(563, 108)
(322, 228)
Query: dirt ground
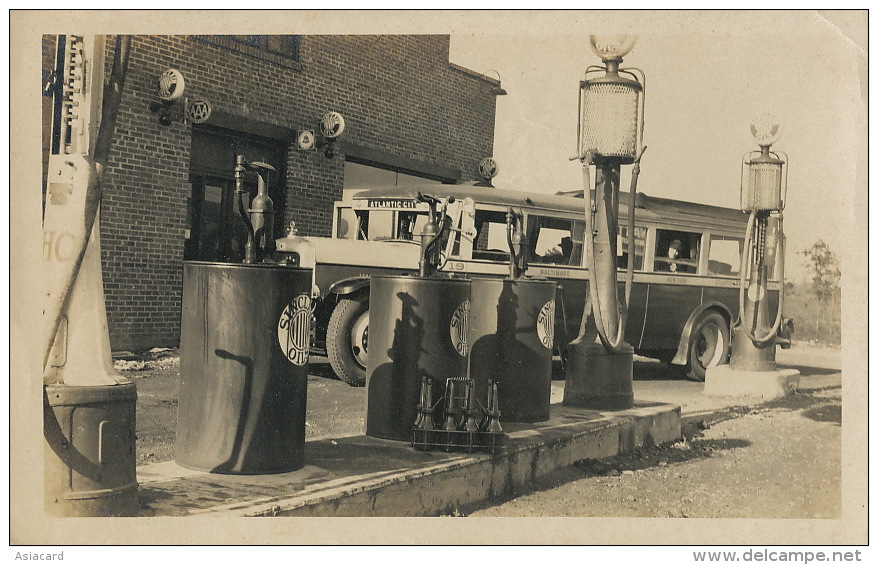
(778, 460)
(333, 406)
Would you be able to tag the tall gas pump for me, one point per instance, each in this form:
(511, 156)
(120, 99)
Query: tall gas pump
(88, 408)
(611, 104)
(752, 369)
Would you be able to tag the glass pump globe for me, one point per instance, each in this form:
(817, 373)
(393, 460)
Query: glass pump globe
(765, 129)
(612, 47)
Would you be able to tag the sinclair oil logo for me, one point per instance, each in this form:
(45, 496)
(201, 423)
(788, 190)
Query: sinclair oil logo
(546, 324)
(458, 328)
(294, 329)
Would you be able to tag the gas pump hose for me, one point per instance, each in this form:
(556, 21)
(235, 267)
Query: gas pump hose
(614, 345)
(781, 256)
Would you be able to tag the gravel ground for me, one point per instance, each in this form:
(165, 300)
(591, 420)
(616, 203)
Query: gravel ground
(778, 460)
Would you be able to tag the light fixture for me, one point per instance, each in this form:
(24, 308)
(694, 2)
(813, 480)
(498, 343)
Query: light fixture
(332, 125)
(611, 106)
(496, 89)
(763, 178)
(612, 47)
(171, 87)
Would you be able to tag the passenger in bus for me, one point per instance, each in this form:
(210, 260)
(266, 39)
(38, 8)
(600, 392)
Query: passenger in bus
(674, 251)
(675, 260)
(566, 250)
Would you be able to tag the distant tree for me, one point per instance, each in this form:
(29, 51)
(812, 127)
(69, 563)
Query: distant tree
(823, 266)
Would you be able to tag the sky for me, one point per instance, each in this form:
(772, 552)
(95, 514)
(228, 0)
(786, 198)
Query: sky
(708, 74)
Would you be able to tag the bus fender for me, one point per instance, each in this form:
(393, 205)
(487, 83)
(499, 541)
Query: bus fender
(683, 347)
(348, 285)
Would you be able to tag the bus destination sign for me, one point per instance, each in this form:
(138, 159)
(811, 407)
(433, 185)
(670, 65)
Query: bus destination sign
(391, 204)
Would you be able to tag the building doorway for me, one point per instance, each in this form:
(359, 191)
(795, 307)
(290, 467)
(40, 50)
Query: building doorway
(216, 231)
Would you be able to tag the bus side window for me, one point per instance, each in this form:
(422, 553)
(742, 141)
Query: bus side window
(550, 240)
(490, 242)
(347, 224)
(676, 251)
(639, 247)
(362, 225)
(724, 255)
(577, 240)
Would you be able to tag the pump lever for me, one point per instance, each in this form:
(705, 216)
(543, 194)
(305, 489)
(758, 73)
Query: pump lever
(260, 165)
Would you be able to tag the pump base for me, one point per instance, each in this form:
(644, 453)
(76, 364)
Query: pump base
(598, 379)
(750, 356)
(722, 380)
(89, 452)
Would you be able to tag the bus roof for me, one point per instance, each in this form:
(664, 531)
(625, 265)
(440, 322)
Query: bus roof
(561, 202)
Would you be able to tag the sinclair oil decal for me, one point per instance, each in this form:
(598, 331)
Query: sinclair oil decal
(458, 328)
(546, 324)
(294, 329)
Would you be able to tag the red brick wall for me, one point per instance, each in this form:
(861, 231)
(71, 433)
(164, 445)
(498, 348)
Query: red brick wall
(398, 95)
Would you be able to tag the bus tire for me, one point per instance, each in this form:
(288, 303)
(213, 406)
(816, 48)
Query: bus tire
(347, 338)
(709, 344)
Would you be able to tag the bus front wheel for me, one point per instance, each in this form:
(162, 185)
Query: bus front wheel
(347, 339)
(709, 345)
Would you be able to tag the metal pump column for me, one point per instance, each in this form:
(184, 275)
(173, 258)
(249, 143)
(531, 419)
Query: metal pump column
(601, 364)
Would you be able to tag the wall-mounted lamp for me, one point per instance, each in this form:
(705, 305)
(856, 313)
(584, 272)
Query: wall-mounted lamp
(332, 125)
(496, 89)
(171, 87)
(488, 169)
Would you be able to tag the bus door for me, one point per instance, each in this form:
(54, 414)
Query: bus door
(674, 289)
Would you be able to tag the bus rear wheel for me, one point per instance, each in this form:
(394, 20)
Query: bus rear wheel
(709, 345)
(347, 339)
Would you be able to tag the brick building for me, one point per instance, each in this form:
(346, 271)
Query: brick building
(409, 112)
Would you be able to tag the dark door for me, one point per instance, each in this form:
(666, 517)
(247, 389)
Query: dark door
(217, 232)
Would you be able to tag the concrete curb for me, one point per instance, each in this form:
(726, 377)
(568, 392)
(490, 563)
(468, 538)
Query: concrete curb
(364, 476)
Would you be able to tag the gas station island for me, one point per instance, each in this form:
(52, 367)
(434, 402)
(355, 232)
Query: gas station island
(458, 385)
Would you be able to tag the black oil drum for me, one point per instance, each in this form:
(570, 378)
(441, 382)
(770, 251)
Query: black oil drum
(245, 336)
(511, 333)
(417, 328)
(90, 463)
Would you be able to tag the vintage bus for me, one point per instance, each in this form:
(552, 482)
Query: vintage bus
(680, 312)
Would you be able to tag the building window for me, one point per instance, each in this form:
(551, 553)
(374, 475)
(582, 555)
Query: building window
(282, 49)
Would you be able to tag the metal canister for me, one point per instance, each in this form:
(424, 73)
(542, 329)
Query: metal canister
(90, 463)
(417, 328)
(245, 336)
(511, 334)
